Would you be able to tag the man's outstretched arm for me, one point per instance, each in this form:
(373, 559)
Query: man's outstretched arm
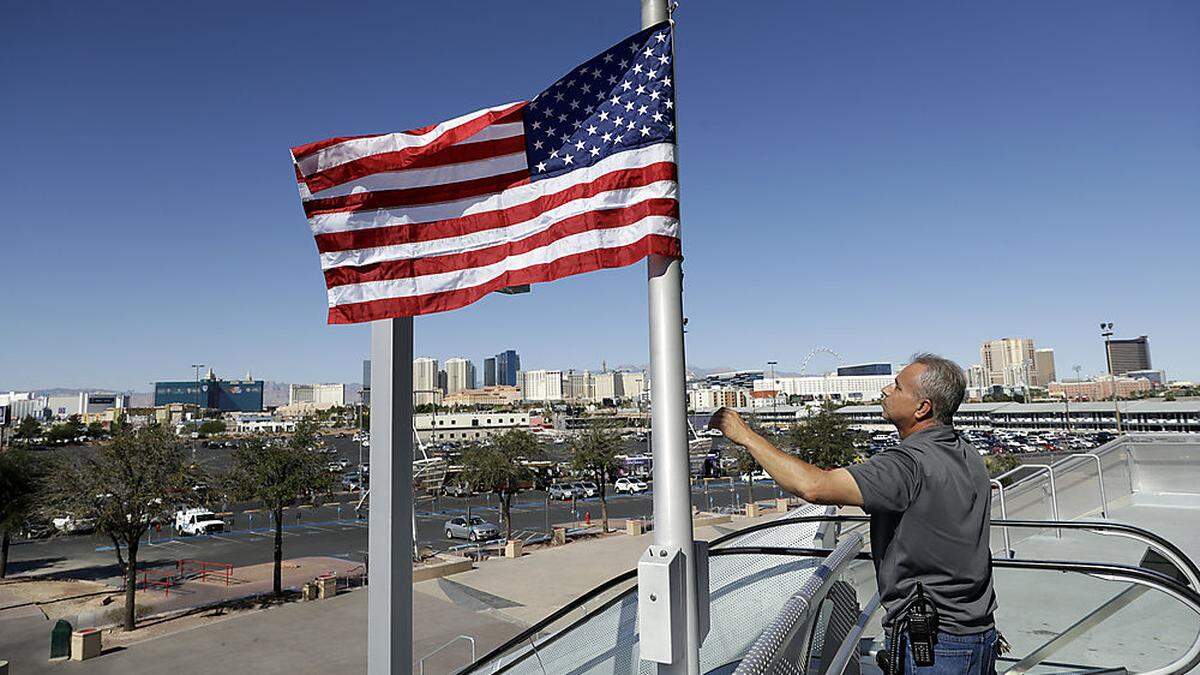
(810, 483)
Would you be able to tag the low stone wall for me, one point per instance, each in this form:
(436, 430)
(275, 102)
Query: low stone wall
(449, 564)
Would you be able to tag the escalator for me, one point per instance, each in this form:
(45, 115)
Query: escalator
(797, 596)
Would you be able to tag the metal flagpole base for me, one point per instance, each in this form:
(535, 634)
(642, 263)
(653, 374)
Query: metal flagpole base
(390, 529)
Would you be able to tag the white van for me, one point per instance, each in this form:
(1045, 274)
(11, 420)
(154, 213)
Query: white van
(198, 521)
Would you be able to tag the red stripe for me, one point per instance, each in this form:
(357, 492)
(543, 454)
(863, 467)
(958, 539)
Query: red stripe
(404, 158)
(416, 267)
(579, 263)
(390, 199)
(478, 222)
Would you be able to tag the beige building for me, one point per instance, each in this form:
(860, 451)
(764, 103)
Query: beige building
(711, 398)
(542, 385)
(460, 375)
(1008, 361)
(1043, 367)
(1100, 388)
(425, 381)
(495, 395)
(320, 395)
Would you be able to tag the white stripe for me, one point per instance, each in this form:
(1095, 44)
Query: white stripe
(348, 151)
(613, 199)
(449, 281)
(522, 194)
(433, 175)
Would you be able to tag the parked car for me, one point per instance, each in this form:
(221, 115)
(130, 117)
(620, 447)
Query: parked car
(479, 529)
(198, 521)
(456, 490)
(350, 482)
(629, 485)
(72, 525)
(565, 491)
(589, 488)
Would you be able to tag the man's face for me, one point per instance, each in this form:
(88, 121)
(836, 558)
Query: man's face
(900, 402)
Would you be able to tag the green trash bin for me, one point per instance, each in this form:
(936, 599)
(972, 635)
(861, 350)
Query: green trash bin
(60, 640)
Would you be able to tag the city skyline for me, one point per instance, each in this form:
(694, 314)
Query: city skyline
(912, 134)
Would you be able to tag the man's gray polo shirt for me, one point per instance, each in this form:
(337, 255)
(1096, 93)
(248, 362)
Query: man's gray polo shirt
(930, 506)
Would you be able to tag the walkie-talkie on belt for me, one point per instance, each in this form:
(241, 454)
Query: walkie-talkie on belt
(919, 619)
(922, 627)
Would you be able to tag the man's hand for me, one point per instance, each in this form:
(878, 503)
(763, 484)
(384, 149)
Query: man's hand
(731, 424)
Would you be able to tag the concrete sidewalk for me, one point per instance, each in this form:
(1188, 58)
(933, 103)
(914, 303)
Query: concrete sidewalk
(491, 604)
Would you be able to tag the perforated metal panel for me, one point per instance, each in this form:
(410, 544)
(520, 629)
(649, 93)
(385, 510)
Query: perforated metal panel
(785, 646)
(745, 593)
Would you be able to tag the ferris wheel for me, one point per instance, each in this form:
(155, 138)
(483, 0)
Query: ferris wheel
(820, 350)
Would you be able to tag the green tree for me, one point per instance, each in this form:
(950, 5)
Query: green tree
(1000, 463)
(278, 474)
(96, 430)
(59, 434)
(18, 488)
(210, 427)
(823, 439)
(594, 452)
(500, 466)
(745, 464)
(75, 426)
(123, 485)
(27, 430)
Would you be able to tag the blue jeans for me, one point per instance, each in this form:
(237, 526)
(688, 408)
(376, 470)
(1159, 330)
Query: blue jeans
(955, 654)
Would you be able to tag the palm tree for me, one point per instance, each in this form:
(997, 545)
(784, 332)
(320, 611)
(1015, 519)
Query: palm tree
(594, 452)
(501, 466)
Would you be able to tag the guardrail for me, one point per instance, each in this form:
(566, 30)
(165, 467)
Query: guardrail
(421, 663)
(222, 571)
(1004, 516)
(1037, 468)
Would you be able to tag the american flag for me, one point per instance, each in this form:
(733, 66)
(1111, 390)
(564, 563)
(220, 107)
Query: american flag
(580, 178)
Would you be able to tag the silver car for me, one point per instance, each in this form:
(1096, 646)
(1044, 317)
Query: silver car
(479, 530)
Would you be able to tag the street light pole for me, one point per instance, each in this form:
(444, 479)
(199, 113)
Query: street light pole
(1106, 331)
(196, 367)
(775, 396)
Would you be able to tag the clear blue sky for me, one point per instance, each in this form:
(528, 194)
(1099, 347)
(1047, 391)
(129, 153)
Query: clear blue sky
(873, 177)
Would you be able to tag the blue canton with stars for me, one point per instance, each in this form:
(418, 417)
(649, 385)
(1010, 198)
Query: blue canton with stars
(619, 100)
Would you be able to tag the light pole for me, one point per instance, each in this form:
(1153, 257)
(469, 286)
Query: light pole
(1106, 332)
(775, 397)
(196, 367)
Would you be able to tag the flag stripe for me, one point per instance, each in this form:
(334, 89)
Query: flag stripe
(433, 194)
(433, 175)
(578, 263)
(446, 281)
(352, 159)
(638, 158)
(427, 264)
(381, 174)
(611, 191)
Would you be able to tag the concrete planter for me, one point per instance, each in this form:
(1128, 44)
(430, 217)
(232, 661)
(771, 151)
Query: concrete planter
(634, 528)
(752, 510)
(710, 519)
(85, 644)
(559, 537)
(326, 587)
(513, 549)
(782, 504)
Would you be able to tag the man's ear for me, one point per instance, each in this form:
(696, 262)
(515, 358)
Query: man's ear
(924, 410)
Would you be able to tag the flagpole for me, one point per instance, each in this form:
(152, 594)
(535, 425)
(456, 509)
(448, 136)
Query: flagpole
(668, 422)
(390, 528)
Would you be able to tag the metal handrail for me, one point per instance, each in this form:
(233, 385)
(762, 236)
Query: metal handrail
(1169, 551)
(1038, 468)
(1099, 478)
(1008, 551)
(849, 648)
(1108, 571)
(468, 638)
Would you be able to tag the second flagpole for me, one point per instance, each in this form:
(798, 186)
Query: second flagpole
(668, 423)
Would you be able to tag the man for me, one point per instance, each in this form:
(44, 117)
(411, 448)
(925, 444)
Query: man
(930, 505)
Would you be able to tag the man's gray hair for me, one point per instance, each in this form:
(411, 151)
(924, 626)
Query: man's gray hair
(943, 383)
